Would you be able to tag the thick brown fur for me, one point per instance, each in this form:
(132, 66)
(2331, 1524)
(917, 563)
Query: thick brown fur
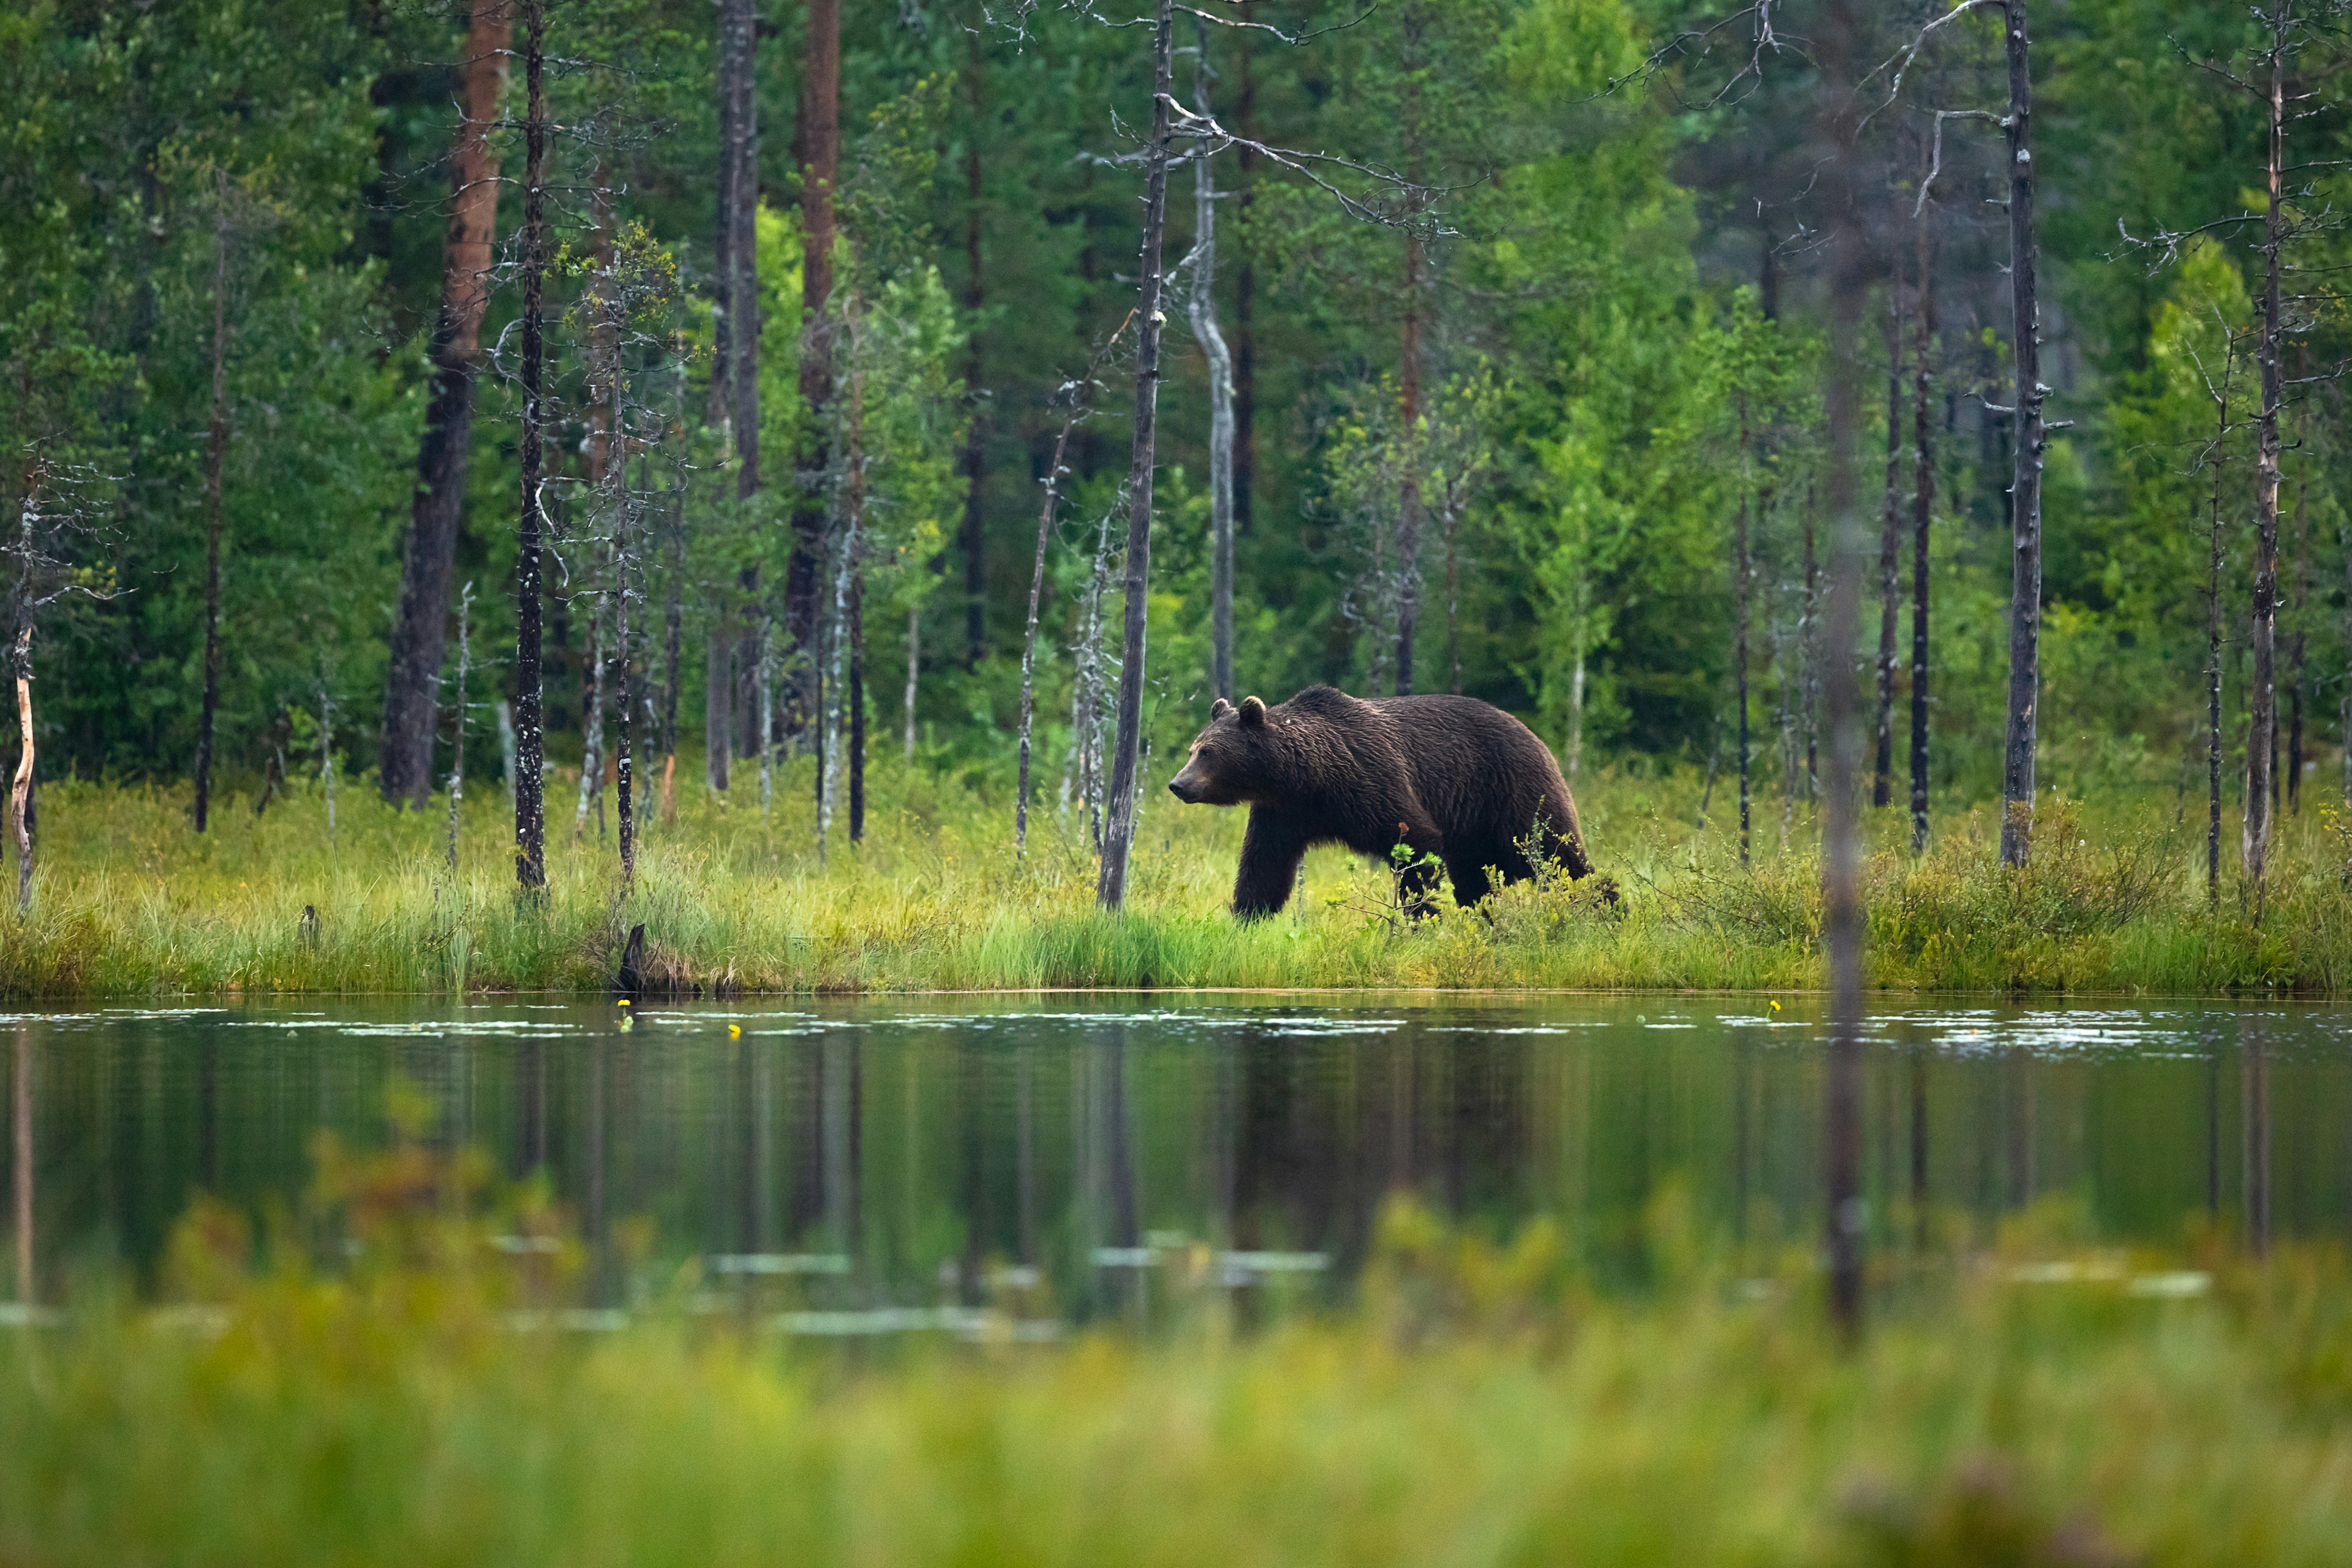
(1449, 776)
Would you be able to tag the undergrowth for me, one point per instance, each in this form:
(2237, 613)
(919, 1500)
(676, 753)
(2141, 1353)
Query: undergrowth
(128, 902)
(395, 1379)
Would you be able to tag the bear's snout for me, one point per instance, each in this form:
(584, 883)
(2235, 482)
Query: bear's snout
(1191, 783)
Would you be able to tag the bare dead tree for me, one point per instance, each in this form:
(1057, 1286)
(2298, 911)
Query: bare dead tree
(2025, 491)
(1118, 835)
(1923, 506)
(2295, 642)
(530, 784)
(592, 727)
(2262, 738)
(421, 625)
(1079, 408)
(1201, 307)
(457, 727)
(1890, 596)
(2215, 456)
(45, 555)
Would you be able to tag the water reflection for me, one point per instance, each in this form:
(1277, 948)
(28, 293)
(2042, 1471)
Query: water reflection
(872, 1156)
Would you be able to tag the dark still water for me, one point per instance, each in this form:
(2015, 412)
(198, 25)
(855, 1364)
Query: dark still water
(915, 1155)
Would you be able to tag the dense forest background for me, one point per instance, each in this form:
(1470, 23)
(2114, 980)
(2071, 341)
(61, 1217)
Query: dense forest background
(1601, 289)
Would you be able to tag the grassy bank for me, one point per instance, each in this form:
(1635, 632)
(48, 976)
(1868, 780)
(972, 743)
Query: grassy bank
(129, 902)
(1475, 1405)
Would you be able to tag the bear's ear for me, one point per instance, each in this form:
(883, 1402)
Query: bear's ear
(1253, 712)
(1219, 709)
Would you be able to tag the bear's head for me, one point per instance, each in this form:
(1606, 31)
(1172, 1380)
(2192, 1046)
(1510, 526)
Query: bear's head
(1228, 762)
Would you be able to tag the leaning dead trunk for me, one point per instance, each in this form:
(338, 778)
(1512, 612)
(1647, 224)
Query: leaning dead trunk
(1110, 888)
(2025, 505)
(1082, 407)
(421, 624)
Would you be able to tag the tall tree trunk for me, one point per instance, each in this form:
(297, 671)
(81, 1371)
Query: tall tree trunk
(975, 454)
(419, 630)
(1203, 313)
(1111, 889)
(531, 741)
(216, 454)
(857, 699)
(2294, 645)
(914, 672)
(717, 698)
(821, 135)
(457, 729)
(1890, 534)
(2213, 635)
(673, 634)
(1409, 497)
(1842, 912)
(722, 262)
(2262, 737)
(743, 249)
(1740, 585)
(743, 367)
(2025, 491)
(1923, 511)
(624, 559)
(592, 721)
(1809, 663)
(1246, 285)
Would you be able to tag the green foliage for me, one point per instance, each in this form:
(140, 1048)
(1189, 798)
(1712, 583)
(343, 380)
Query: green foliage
(381, 1382)
(126, 904)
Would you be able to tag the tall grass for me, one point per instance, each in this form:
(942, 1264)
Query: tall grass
(129, 902)
(1477, 1405)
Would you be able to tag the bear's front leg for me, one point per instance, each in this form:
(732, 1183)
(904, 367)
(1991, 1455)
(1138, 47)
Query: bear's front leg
(1271, 851)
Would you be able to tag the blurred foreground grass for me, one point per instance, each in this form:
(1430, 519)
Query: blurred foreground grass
(384, 1384)
(129, 902)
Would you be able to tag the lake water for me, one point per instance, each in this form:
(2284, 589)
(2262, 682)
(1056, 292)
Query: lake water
(909, 1156)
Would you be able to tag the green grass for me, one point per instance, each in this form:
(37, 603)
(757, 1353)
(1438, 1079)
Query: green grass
(1474, 1405)
(129, 902)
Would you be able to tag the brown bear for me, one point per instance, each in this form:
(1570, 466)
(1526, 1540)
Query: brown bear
(1449, 776)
